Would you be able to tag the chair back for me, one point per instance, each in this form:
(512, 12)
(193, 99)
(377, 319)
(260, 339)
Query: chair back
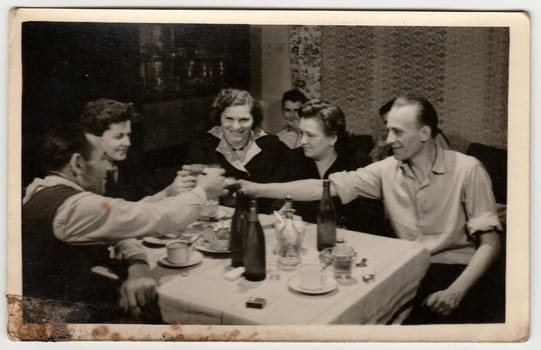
(495, 162)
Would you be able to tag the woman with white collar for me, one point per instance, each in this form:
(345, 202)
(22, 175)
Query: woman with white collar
(237, 143)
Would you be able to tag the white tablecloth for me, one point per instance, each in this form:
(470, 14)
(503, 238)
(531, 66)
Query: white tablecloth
(201, 294)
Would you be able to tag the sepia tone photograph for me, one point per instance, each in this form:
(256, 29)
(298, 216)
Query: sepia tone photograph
(298, 176)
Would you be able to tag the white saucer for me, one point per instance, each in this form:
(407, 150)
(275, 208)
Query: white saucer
(204, 246)
(329, 286)
(195, 258)
(158, 240)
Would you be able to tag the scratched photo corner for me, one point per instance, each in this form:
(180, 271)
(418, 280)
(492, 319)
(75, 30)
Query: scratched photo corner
(192, 175)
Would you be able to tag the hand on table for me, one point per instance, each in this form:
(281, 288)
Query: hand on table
(138, 289)
(182, 183)
(445, 301)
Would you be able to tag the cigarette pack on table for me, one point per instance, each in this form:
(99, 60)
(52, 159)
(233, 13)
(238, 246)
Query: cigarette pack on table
(256, 303)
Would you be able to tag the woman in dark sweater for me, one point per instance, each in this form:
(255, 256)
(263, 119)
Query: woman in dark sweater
(326, 149)
(238, 144)
(111, 120)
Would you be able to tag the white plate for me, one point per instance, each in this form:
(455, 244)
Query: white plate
(221, 214)
(195, 258)
(204, 246)
(158, 240)
(329, 286)
(163, 240)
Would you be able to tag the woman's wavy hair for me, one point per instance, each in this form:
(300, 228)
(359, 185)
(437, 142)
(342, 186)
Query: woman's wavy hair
(235, 97)
(98, 115)
(332, 120)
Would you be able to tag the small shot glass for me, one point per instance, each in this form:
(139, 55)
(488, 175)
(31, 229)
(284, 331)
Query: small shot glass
(274, 270)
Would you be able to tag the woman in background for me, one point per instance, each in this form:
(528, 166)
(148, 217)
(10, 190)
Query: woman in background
(326, 149)
(238, 144)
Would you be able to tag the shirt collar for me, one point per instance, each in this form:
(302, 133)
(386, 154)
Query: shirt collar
(437, 168)
(225, 149)
(48, 181)
(439, 163)
(218, 132)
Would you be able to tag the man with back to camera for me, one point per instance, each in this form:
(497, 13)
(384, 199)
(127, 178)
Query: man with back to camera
(440, 198)
(67, 224)
(292, 102)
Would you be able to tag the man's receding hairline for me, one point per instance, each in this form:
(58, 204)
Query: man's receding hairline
(407, 103)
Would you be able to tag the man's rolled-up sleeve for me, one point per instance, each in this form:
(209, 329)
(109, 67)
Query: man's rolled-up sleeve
(364, 182)
(90, 218)
(479, 202)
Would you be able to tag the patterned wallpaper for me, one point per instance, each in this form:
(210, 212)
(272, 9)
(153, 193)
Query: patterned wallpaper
(305, 59)
(462, 71)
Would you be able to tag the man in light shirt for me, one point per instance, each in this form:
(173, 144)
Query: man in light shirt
(440, 198)
(382, 149)
(67, 226)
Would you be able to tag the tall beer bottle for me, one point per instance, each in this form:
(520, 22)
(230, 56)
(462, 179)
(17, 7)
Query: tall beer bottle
(239, 222)
(326, 219)
(255, 268)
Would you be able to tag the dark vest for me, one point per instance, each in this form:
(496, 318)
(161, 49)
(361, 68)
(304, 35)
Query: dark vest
(53, 269)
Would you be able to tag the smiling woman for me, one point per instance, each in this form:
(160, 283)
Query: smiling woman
(237, 143)
(326, 149)
(116, 140)
(237, 121)
(111, 120)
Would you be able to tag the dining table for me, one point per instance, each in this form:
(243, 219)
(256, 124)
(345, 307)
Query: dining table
(201, 293)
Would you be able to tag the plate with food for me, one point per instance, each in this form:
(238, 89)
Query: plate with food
(215, 239)
(213, 247)
(209, 214)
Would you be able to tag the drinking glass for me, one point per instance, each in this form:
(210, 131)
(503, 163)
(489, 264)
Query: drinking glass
(343, 259)
(289, 242)
(194, 169)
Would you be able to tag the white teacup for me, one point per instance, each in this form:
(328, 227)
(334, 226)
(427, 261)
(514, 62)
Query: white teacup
(311, 277)
(178, 252)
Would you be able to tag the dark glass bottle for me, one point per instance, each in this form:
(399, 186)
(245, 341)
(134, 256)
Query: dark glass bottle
(326, 219)
(239, 222)
(255, 268)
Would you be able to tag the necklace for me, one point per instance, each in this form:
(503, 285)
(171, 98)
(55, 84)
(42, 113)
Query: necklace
(238, 149)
